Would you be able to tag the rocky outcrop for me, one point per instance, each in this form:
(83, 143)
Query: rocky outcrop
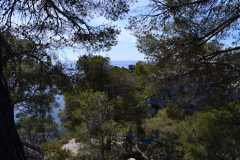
(32, 152)
(73, 146)
(154, 106)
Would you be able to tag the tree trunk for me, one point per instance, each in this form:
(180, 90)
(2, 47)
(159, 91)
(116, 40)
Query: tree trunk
(11, 147)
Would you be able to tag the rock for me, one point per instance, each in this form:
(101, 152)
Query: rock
(32, 152)
(154, 106)
(72, 145)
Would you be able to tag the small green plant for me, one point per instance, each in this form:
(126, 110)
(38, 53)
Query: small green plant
(51, 146)
(62, 154)
(64, 141)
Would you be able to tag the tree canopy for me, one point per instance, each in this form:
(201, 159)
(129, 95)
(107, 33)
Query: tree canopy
(187, 42)
(213, 134)
(193, 52)
(56, 23)
(50, 25)
(36, 130)
(105, 105)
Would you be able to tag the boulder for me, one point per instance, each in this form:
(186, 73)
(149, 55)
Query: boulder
(32, 152)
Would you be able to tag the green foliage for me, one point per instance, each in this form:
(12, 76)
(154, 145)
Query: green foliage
(161, 125)
(51, 146)
(66, 115)
(31, 81)
(188, 61)
(209, 134)
(93, 72)
(142, 69)
(118, 84)
(212, 134)
(165, 142)
(52, 23)
(121, 82)
(193, 64)
(104, 103)
(132, 108)
(174, 110)
(98, 129)
(62, 154)
(37, 130)
(186, 42)
(45, 24)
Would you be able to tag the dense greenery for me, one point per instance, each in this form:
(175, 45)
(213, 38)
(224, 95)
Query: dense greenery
(37, 130)
(33, 85)
(49, 25)
(101, 117)
(196, 72)
(102, 114)
(192, 72)
(186, 41)
(212, 134)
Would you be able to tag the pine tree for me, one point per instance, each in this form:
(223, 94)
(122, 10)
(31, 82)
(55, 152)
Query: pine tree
(46, 24)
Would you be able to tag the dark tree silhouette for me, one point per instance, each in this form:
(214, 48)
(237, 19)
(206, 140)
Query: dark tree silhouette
(187, 42)
(52, 24)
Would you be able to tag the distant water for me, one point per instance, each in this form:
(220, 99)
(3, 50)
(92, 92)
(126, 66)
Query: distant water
(119, 63)
(123, 63)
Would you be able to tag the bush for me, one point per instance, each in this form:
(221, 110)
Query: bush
(50, 147)
(62, 154)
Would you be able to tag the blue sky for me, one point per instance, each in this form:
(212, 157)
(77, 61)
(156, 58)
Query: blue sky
(126, 47)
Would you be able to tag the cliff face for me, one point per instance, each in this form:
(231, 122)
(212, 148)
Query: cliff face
(161, 100)
(154, 105)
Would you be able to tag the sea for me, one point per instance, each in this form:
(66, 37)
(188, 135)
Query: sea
(60, 98)
(124, 64)
(119, 63)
